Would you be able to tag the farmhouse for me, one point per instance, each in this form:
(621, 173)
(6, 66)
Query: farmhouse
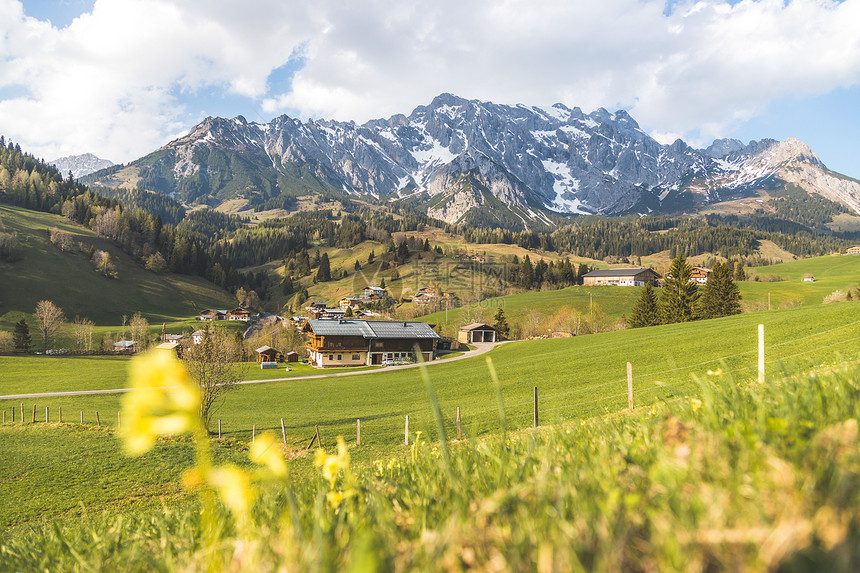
(361, 342)
(346, 302)
(212, 314)
(239, 313)
(477, 332)
(372, 294)
(853, 250)
(699, 275)
(124, 346)
(635, 276)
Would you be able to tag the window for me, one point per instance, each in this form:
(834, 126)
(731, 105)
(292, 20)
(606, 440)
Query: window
(331, 356)
(356, 357)
(340, 357)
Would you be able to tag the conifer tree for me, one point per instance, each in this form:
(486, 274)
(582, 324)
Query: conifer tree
(324, 272)
(721, 296)
(21, 336)
(501, 323)
(680, 294)
(645, 311)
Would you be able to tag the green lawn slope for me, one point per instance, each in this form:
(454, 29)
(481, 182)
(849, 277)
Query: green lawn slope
(70, 281)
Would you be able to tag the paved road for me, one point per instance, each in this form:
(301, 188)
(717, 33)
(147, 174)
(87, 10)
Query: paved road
(480, 348)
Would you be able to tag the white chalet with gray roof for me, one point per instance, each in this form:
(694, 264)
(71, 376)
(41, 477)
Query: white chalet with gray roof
(363, 342)
(635, 276)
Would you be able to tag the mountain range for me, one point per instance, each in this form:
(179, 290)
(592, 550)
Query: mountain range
(472, 162)
(80, 165)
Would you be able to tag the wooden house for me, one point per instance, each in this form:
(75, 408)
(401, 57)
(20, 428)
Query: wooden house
(212, 314)
(636, 276)
(372, 294)
(291, 356)
(699, 275)
(477, 332)
(361, 342)
(124, 346)
(268, 354)
(240, 313)
(346, 302)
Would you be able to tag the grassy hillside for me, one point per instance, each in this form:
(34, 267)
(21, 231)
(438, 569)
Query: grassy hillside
(70, 281)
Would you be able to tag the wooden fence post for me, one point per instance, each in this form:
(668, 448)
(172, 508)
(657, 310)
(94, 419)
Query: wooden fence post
(358, 432)
(98, 421)
(13, 413)
(284, 433)
(4, 416)
(82, 416)
(536, 408)
(761, 354)
(406, 432)
(34, 414)
(46, 414)
(219, 428)
(60, 413)
(22, 412)
(630, 385)
(253, 433)
(458, 423)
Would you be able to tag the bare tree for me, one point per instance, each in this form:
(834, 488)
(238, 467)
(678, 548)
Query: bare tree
(62, 240)
(212, 365)
(139, 327)
(82, 328)
(49, 318)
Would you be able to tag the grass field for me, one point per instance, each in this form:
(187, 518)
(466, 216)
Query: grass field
(744, 477)
(576, 377)
(70, 281)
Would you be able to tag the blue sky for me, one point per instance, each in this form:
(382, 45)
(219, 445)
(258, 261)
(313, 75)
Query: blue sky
(119, 78)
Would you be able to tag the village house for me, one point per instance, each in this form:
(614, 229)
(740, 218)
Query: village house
(240, 313)
(699, 275)
(853, 250)
(197, 336)
(346, 302)
(361, 342)
(477, 332)
(124, 346)
(212, 314)
(635, 276)
(372, 294)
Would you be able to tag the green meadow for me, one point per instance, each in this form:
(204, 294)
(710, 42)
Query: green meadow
(70, 281)
(576, 378)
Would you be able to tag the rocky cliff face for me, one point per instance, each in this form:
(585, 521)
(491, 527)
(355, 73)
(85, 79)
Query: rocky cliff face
(458, 155)
(80, 165)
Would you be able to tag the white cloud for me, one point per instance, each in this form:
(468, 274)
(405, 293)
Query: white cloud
(117, 81)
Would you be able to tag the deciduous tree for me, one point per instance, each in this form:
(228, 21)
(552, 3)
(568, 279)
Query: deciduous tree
(49, 318)
(212, 364)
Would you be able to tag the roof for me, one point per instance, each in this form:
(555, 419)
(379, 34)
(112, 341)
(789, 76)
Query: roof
(264, 349)
(198, 333)
(373, 329)
(476, 326)
(124, 343)
(374, 288)
(631, 272)
(168, 345)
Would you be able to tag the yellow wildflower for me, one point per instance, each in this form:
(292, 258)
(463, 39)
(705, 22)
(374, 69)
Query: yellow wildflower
(331, 466)
(265, 451)
(696, 404)
(163, 400)
(234, 488)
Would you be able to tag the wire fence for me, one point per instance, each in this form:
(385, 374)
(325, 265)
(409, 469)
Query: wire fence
(586, 400)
